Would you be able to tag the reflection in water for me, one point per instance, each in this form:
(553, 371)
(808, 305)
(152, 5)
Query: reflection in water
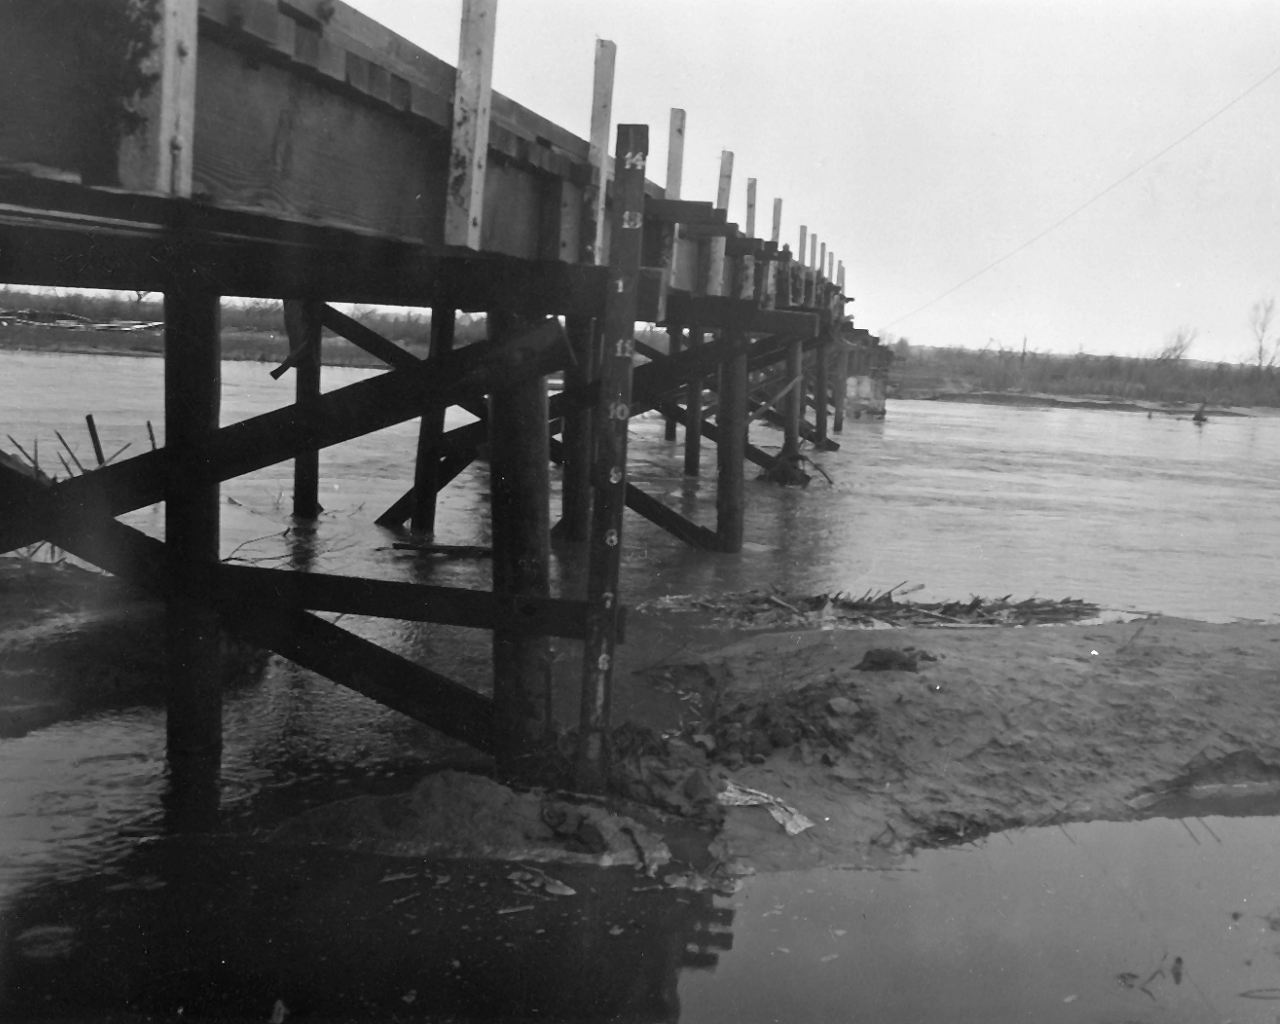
(208, 927)
(1159, 920)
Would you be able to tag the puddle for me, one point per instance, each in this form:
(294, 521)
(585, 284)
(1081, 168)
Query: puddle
(1168, 919)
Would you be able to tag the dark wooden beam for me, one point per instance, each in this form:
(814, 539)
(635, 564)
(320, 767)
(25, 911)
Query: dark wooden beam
(683, 211)
(303, 325)
(254, 615)
(718, 312)
(371, 341)
(58, 234)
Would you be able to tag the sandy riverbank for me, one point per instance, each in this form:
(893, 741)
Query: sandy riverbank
(997, 727)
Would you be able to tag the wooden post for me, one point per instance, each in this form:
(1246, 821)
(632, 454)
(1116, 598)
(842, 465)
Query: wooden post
(804, 235)
(675, 343)
(575, 495)
(157, 157)
(747, 284)
(610, 476)
(693, 406)
(675, 181)
(302, 324)
(811, 287)
(426, 472)
(821, 387)
(192, 399)
(519, 481)
(793, 411)
(771, 272)
(469, 152)
(841, 387)
(731, 453)
(598, 155)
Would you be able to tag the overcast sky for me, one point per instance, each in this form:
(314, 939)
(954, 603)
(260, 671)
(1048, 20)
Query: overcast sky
(925, 140)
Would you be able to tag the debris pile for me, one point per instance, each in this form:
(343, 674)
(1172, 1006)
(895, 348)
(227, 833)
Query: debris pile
(771, 609)
(825, 715)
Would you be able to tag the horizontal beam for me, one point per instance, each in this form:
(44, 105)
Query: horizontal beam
(683, 211)
(309, 641)
(718, 312)
(59, 234)
(388, 599)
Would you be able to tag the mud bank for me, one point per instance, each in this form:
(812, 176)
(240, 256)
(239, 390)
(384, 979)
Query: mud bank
(996, 728)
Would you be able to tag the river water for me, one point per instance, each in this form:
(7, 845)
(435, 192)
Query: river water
(1131, 512)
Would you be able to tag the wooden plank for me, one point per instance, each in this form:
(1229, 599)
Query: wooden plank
(610, 463)
(158, 156)
(193, 645)
(56, 234)
(365, 338)
(519, 482)
(732, 314)
(841, 388)
(390, 398)
(821, 387)
(469, 145)
(601, 120)
(449, 466)
(675, 342)
(303, 325)
(686, 212)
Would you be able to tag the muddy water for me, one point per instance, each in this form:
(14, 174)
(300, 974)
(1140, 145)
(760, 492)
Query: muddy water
(1134, 513)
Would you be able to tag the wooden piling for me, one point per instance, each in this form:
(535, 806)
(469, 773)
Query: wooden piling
(821, 386)
(610, 463)
(575, 494)
(675, 343)
(192, 398)
(731, 453)
(469, 156)
(519, 482)
(841, 388)
(426, 473)
(693, 403)
(302, 325)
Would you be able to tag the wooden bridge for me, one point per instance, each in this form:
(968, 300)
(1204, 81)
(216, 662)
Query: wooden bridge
(297, 150)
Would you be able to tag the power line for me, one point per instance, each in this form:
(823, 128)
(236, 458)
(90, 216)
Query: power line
(1089, 202)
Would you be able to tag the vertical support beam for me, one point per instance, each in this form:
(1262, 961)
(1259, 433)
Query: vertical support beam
(841, 387)
(771, 272)
(675, 182)
(747, 284)
(426, 472)
(675, 343)
(302, 324)
(469, 151)
(192, 401)
(519, 481)
(610, 475)
(821, 385)
(731, 453)
(575, 495)
(840, 276)
(601, 118)
(693, 413)
(715, 269)
(811, 288)
(793, 409)
(157, 158)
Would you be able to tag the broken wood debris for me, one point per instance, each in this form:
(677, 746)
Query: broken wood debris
(769, 609)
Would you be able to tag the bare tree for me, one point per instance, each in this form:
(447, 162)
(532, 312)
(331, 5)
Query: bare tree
(1176, 345)
(1260, 319)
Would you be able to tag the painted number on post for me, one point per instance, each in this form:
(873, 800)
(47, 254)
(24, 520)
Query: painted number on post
(634, 161)
(619, 411)
(632, 219)
(625, 347)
